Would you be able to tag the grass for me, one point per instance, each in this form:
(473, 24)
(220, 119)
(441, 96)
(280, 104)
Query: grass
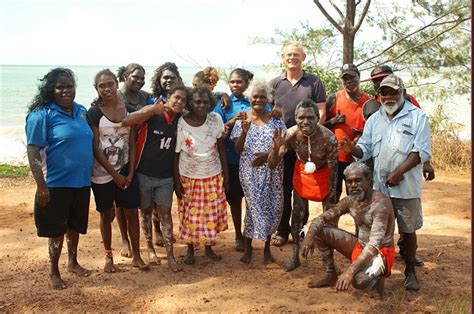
(9, 171)
(456, 304)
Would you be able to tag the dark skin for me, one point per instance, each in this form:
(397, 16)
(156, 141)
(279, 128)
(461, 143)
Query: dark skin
(323, 153)
(373, 214)
(175, 104)
(64, 92)
(115, 110)
(200, 107)
(257, 116)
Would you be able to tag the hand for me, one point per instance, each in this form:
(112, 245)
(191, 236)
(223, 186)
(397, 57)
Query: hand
(158, 108)
(245, 126)
(308, 247)
(260, 159)
(178, 189)
(346, 144)
(278, 139)
(42, 195)
(344, 281)
(225, 101)
(128, 181)
(339, 118)
(393, 179)
(276, 113)
(242, 115)
(428, 171)
(120, 181)
(226, 185)
(226, 131)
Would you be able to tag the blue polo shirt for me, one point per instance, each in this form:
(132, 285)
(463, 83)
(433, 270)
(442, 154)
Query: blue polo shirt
(236, 105)
(65, 142)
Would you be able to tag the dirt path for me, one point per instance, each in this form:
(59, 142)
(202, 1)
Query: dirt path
(444, 243)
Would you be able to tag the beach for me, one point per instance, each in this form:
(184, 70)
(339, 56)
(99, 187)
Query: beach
(444, 243)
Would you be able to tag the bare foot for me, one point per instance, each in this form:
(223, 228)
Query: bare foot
(379, 287)
(292, 264)
(268, 258)
(174, 266)
(279, 240)
(239, 245)
(78, 270)
(152, 258)
(126, 251)
(189, 259)
(109, 266)
(56, 282)
(140, 264)
(247, 257)
(328, 281)
(211, 254)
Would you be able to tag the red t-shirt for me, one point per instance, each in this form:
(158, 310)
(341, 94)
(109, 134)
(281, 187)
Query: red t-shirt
(344, 105)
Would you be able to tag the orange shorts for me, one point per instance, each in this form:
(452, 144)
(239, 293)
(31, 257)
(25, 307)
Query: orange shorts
(388, 255)
(311, 186)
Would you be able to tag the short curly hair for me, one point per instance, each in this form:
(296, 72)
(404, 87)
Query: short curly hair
(156, 87)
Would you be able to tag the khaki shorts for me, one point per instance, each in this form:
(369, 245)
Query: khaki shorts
(408, 213)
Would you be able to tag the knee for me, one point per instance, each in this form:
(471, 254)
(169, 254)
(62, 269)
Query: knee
(108, 216)
(361, 281)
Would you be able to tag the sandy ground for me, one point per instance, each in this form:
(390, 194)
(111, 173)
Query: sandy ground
(228, 285)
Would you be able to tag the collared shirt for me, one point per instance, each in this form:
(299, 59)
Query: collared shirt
(390, 142)
(288, 96)
(236, 105)
(66, 144)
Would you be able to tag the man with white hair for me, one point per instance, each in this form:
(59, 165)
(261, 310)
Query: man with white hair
(397, 136)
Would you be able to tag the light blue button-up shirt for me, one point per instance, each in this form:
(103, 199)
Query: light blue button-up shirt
(390, 142)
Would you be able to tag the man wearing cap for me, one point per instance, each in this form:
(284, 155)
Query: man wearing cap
(289, 89)
(345, 112)
(376, 76)
(398, 138)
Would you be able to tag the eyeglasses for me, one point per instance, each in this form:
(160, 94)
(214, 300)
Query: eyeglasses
(389, 92)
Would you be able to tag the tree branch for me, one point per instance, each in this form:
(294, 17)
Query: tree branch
(328, 17)
(337, 10)
(417, 46)
(413, 33)
(361, 17)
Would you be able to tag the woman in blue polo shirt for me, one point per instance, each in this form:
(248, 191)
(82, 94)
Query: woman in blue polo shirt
(60, 140)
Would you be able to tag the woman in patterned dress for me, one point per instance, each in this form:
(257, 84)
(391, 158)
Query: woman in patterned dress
(262, 186)
(201, 175)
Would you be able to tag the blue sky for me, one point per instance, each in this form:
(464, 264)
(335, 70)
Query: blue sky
(106, 32)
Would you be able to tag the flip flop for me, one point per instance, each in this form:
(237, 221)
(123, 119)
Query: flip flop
(279, 240)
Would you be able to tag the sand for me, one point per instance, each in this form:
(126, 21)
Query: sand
(228, 285)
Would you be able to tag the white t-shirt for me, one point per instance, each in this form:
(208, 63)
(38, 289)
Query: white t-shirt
(199, 158)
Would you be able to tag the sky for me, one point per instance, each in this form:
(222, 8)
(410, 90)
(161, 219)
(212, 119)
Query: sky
(106, 32)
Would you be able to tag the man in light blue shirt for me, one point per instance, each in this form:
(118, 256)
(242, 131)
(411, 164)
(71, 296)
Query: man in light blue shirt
(397, 136)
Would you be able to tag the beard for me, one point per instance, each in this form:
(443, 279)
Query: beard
(391, 106)
(357, 196)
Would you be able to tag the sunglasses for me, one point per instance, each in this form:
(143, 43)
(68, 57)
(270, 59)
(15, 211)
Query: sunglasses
(389, 92)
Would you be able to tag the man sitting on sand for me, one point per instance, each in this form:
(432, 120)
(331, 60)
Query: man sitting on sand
(372, 252)
(315, 174)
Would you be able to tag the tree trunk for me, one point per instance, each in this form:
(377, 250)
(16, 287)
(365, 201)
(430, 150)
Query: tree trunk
(348, 47)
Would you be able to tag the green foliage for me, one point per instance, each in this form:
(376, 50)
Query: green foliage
(10, 171)
(330, 79)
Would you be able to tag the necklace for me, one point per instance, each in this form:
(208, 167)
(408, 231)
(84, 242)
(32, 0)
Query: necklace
(309, 166)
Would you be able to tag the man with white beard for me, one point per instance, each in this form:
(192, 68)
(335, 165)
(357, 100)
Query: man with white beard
(397, 136)
(372, 251)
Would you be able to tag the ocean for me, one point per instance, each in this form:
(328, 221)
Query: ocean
(19, 83)
(18, 86)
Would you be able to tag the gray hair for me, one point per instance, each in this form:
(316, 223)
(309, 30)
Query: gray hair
(356, 165)
(260, 85)
(293, 44)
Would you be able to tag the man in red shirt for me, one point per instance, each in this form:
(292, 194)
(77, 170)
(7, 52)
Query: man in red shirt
(345, 111)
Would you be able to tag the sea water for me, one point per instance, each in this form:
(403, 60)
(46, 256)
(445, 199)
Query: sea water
(19, 84)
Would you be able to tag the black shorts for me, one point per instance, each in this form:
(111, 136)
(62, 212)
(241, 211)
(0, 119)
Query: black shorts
(235, 189)
(67, 208)
(106, 194)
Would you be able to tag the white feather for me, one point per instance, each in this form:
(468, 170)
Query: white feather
(377, 266)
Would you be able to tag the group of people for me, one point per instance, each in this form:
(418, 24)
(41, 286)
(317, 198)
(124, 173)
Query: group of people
(277, 145)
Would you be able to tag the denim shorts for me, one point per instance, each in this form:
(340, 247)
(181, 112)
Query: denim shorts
(408, 213)
(155, 190)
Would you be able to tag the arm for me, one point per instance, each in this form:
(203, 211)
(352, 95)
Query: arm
(223, 159)
(132, 148)
(328, 217)
(240, 142)
(142, 115)
(100, 157)
(34, 159)
(396, 176)
(278, 148)
(178, 187)
(322, 112)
